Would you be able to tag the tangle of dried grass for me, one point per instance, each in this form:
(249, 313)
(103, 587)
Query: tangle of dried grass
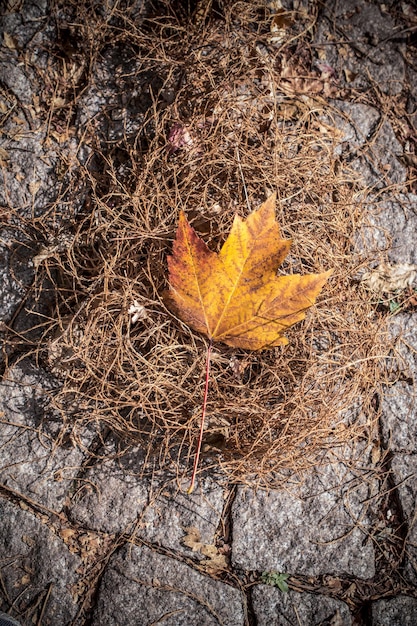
(245, 132)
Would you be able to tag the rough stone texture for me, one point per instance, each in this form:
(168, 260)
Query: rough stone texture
(399, 431)
(403, 327)
(404, 468)
(306, 530)
(412, 98)
(399, 420)
(29, 158)
(355, 124)
(390, 230)
(26, 23)
(16, 274)
(35, 458)
(378, 163)
(382, 158)
(29, 183)
(143, 587)
(33, 563)
(368, 145)
(128, 99)
(172, 512)
(311, 530)
(274, 608)
(115, 497)
(372, 58)
(401, 611)
(399, 412)
(110, 496)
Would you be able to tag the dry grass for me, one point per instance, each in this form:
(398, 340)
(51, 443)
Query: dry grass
(250, 119)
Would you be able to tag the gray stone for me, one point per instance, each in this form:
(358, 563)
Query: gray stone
(356, 122)
(114, 497)
(377, 162)
(362, 18)
(370, 149)
(399, 418)
(382, 154)
(28, 178)
(387, 69)
(400, 611)
(140, 586)
(165, 520)
(403, 328)
(412, 98)
(108, 499)
(404, 468)
(16, 79)
(399, 412)
(23, 20)
(274, 608)
(390, 230)
(37, 456)
(116, 102)
(399, 430)
(371, 56)
(13, 284)
(312, 529)
(37, 570)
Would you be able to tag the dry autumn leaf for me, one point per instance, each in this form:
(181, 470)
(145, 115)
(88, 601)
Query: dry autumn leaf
(235, 296)
(215, 561)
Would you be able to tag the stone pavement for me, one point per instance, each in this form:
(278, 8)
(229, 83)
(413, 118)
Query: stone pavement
(86, 540)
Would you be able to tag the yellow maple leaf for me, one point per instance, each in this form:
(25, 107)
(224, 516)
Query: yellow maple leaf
(235, 296)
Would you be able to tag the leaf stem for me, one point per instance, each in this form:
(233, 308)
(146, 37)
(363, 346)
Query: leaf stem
(203, 416)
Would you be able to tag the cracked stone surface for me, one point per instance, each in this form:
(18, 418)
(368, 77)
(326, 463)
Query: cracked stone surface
(399, 429)
(401, 611)
(115, 497)
(165, 591)
(404, 468)
(35, 567)
(317, 528)
(15, 275)
(369, 144)
(391, 228)
(355, 124)
(274, 608)
(372, 59)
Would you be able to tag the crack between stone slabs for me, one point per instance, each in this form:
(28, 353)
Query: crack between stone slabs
(91, 461)
(224, 534)
(228, 577)
(358, 593)
(35, 507)
(225, 578)
(397, 520)
(88, 619)
(92, 579)
(95, 569)
(387, 580)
